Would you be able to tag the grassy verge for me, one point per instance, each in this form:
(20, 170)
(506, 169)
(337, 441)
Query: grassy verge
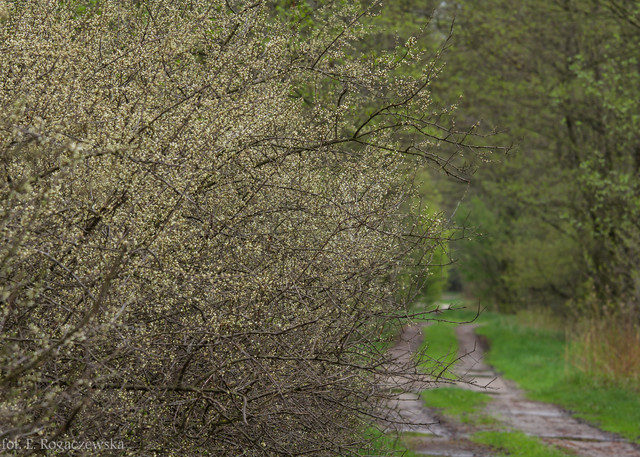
(536, 359)
(518, 444)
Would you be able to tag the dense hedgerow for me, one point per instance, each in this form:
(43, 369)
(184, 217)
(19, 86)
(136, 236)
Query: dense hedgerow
(202, 221)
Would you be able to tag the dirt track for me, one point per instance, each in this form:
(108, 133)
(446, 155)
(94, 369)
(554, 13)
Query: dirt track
(434, 435)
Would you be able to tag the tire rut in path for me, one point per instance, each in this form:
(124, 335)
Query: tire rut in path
(434, 435)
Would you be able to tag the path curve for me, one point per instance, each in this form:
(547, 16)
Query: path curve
(437, 436)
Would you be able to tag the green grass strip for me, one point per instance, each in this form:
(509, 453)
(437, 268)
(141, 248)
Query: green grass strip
(439, 348)
(516, 444)
(464, 405)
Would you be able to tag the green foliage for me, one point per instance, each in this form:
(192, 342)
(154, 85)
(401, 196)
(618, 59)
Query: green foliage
(516, 444)
(435, 280)
(563, 82)
(426, 278)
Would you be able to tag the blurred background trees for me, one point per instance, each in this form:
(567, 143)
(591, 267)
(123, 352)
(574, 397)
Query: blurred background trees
(560, 216)
(558, 219)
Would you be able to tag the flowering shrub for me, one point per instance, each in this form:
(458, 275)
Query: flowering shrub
(202, 222)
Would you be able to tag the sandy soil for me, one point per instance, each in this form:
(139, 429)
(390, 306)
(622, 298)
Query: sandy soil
(430, 434)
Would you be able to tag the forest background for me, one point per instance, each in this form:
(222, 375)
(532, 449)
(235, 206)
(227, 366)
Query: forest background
(560, 216)
(554, 223)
